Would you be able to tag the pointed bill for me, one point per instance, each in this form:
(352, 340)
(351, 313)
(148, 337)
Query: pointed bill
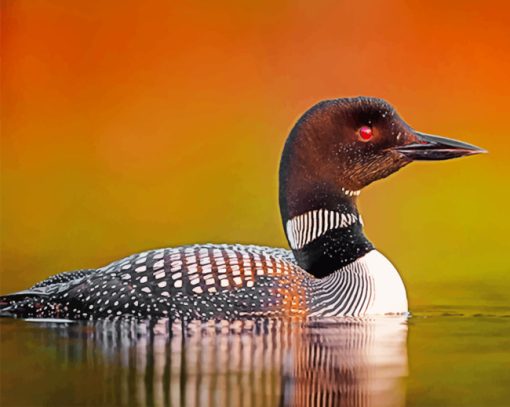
(433, 148)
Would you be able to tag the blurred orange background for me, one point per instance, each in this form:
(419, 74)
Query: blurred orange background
(135, 125)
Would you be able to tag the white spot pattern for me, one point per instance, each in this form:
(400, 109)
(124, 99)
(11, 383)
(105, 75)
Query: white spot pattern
(225, 282)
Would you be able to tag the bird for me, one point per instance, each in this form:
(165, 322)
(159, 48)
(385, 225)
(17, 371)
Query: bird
(335, 149)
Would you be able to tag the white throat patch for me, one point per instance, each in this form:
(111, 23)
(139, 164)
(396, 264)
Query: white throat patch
(307, 227)
(349, 192)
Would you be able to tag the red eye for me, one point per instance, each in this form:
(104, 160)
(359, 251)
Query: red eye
(365, 133)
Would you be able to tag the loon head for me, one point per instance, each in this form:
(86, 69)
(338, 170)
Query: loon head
(337, 148)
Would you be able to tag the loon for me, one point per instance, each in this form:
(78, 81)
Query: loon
(335, 149)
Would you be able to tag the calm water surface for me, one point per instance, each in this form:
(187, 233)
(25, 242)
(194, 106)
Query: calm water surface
(439, 357)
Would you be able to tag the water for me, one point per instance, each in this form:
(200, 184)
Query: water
(438, 357)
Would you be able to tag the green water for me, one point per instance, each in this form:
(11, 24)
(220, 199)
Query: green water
(438, 357)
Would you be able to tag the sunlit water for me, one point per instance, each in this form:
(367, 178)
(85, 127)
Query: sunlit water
(438, 357)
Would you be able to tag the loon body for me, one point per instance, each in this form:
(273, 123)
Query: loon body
(336, 148)
(216, 282)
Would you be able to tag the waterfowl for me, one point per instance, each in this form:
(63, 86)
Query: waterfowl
(335, 149)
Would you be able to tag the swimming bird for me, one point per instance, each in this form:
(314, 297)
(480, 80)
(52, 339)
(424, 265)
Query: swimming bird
(335, 149)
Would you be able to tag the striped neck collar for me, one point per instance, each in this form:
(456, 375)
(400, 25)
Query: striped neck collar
(325, 240)
(309, 226)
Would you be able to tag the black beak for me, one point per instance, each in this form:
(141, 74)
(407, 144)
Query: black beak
(433, 148)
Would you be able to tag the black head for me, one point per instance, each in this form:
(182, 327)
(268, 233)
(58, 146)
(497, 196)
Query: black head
(343, 145)
(337, 148)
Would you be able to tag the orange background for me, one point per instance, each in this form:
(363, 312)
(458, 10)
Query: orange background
(134, 125)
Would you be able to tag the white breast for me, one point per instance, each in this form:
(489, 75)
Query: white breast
(368, 286)
(390, 293)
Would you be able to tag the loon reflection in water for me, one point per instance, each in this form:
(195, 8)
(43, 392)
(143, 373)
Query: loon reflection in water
(350, 362)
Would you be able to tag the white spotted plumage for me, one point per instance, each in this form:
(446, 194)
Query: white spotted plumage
(222, 281)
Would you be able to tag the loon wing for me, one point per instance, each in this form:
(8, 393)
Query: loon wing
(54, 285)
(188, 282)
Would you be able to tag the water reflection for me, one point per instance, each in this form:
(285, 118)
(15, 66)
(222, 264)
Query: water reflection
(244, 363)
